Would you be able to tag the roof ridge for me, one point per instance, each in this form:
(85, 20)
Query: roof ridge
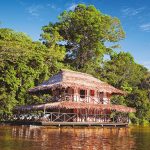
(68, 70)
(81, 73)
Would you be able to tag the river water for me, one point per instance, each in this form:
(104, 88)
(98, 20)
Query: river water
(45, 138)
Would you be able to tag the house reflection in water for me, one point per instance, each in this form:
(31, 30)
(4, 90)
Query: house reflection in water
(85, 139)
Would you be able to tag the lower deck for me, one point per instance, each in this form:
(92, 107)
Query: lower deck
(84, 124)
(70, 124)
(74, 118)
(71, 119)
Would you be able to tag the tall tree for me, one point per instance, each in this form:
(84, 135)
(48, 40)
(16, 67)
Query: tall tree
(84, 32)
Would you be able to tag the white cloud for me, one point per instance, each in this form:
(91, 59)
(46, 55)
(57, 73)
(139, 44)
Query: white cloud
(72, 7)
(34, 10)
(52, 6)
(145, 27)
(21, 2)
(132, 11)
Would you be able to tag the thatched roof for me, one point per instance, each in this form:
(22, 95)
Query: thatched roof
(68, 78)
(76, 105)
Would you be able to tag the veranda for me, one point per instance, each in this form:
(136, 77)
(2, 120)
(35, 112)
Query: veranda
(74, 98)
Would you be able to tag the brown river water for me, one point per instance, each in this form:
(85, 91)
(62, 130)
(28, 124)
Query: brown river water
(46, 138)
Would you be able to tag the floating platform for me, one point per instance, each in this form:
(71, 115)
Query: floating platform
(71, 124)
(83, 124)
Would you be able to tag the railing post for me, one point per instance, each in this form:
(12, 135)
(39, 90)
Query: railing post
(127, 118)
(51, 116)
(44, 110)
(64, 117)
(113, 119)
(77, 114)
(86, 115)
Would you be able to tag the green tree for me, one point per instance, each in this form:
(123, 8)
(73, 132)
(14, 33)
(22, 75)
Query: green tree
(77, 41)
(84, 32)
(122, 72)
(24, 64)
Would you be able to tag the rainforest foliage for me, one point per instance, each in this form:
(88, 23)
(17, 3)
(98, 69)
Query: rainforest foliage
(78, 41)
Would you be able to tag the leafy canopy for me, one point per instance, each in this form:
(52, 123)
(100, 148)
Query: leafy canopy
(84, 32)
(77, 41)
(23, 64)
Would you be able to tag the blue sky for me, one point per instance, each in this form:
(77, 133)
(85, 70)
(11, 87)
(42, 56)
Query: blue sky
(30, 15)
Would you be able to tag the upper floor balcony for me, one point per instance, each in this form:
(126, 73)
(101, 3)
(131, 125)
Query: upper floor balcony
(80, 98)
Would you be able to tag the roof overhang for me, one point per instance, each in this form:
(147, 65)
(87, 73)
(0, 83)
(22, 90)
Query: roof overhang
(75, 105)
(103, 88)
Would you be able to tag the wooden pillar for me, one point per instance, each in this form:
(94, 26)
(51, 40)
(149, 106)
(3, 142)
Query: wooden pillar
(104, 98)
(108, 97)
(75, 94)
(63, 94)
(87, 95)
(86, 114)
(94, 115)
(81, 115)
(77, 115)
(113, 118)
(128, 120)
(51, 116)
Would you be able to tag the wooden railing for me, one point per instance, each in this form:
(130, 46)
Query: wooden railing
(61, 117)
(73, 117)
(80, 98)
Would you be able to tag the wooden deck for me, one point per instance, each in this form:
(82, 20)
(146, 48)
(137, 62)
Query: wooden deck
(71, 124)
(83, 124)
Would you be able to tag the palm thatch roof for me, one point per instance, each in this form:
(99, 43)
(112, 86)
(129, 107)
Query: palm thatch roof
(68, 78)
(76, 105)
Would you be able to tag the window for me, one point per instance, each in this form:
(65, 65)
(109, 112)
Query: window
(92, 92)
(101, 95)
(82, 93)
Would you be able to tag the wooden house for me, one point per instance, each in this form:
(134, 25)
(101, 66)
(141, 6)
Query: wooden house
(78, 97)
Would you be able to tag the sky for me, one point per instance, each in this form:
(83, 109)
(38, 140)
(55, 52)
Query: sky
(30, 15)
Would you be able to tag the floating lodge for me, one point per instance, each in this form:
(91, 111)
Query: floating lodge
(75, 98)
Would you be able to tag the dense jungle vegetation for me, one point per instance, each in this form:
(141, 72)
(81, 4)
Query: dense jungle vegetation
(78, 41)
